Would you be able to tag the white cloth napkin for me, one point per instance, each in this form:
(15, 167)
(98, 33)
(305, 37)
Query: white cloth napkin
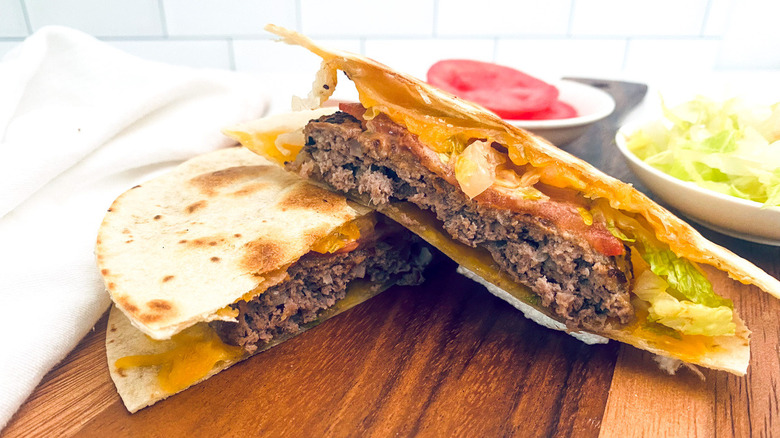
(81, 122)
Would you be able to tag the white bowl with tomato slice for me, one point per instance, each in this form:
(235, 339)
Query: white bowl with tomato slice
(559, 112)
(590, 103)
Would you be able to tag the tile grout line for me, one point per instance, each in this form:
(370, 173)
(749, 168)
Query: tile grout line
(570, 24)
(231, 53)
(625, 54)
(163, 19)
(705, 19)
(298, 16)
(26, 15)
(435, 24)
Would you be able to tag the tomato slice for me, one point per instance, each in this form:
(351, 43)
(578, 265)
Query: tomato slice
(507, 92)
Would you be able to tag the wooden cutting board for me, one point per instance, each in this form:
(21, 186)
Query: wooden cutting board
(443, 359)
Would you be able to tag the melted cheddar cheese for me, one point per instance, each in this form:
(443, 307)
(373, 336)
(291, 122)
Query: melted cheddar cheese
(196, 352)
(346, 236)
(689, 348)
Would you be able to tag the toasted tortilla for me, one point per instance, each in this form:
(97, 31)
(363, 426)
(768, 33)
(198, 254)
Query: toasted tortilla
(218, 228)
(140, 387)
(424, 109)
(434, 115)
(725, 353)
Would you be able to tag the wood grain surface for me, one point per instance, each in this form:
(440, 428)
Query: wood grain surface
(443, 359)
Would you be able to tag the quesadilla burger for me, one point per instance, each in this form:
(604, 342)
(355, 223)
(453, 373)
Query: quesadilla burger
(571, 247)
(228, 255)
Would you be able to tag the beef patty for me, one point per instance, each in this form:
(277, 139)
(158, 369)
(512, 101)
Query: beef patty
(317, 281)
(376, 159)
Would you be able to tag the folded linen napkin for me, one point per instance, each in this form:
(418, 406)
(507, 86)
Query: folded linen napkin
(81, 122)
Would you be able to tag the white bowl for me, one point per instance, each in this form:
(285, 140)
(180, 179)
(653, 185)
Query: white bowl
(726, 214)
(591, 104)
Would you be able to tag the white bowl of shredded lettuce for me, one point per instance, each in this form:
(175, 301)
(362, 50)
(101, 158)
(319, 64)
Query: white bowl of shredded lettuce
(716, 162)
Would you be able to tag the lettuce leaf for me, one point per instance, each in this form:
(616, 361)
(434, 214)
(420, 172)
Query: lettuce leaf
(683, 277)
(680, 293)
(683, 316)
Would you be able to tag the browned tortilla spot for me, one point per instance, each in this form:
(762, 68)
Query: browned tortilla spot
(113, 328)
(135, 187)
(111, 286)
(104, 271)
(157, 217)
(125, 303)
(262, 256)
(215, 259)
(208, 183)
(310, 197)
(159, 305)
(196, 206)
(167, 278)
(129, 241)
(126, 231)
(237, 235)
(249, 189)
(206, 241)
(150, 317)
(183, 241)
(158, 310)
(121, 372)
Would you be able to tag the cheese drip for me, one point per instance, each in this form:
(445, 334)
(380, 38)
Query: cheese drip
(345, 238)
(196, 352)
(278, 137)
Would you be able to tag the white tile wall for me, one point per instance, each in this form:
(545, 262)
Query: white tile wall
(361, 18)
(232, 17)
(268, 56)
(717, 19)
(100, 18)
(12, 22)
(668, 57)
(206, 54)
(550, 38)
(553, 58)
(415, 56)
(503, 17)
(753, 36)
(631, 17)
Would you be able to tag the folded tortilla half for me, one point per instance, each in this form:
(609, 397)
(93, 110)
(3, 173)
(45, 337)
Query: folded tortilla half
(228, 255)
(570, 246)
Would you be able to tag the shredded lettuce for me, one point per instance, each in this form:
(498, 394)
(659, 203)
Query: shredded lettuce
(678, 295)
(683, 316)
(730, 147)
(683, 277)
